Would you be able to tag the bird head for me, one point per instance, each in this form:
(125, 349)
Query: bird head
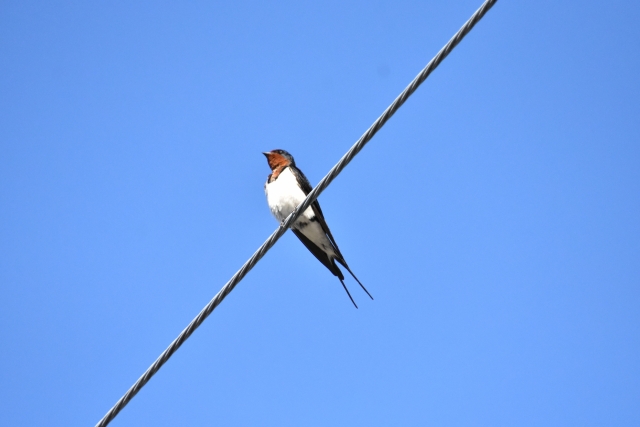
(279, 159)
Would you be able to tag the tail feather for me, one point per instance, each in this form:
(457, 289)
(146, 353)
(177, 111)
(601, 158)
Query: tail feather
(330, 262)
(344, 264)
(347, 291)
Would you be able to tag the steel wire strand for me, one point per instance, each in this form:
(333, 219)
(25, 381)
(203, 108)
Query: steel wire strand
(313, 195)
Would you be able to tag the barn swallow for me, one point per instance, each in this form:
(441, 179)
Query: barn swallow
(286, 188)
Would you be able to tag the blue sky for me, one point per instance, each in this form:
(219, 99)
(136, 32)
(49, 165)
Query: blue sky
(495, 218)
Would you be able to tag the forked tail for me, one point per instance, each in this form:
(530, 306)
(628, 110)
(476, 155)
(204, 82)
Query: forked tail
(344, 264)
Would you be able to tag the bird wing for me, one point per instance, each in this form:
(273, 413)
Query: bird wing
(322, 256)
(319, 254)
(304, 184)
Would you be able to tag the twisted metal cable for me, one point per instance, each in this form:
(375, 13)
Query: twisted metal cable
(313, 195)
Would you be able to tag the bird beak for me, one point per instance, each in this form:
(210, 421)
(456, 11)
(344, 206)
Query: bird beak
(267, 154)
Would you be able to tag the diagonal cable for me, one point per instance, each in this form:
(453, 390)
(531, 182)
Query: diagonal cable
(313, 195)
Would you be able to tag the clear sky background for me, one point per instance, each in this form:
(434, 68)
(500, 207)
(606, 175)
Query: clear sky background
(495, 218)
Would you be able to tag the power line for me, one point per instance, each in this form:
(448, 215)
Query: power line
(313, 195)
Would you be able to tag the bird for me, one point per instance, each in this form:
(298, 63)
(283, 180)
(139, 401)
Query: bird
(286, 188)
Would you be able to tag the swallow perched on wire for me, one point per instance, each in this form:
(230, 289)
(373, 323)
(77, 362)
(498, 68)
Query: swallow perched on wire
(286, 188)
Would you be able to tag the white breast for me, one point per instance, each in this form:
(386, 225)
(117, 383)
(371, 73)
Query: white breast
(284, 195)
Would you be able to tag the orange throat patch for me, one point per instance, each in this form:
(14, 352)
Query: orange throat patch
(277, 163)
